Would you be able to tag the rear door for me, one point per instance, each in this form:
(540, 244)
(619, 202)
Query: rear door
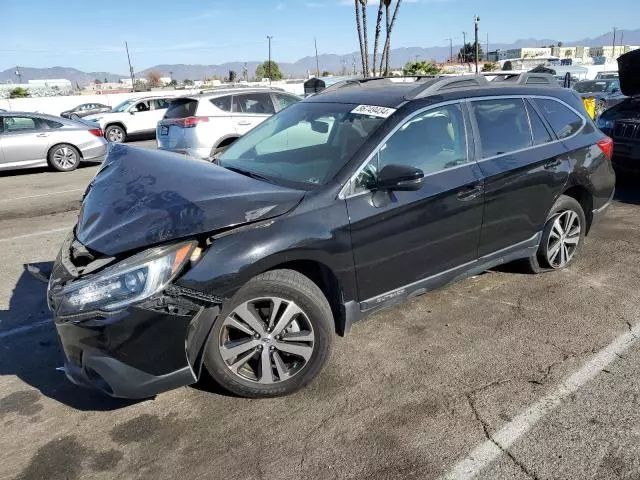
(24, 140)
(400, 238)
(524, 167)
(250, 110)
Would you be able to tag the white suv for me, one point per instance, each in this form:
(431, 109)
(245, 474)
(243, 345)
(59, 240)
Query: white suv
(203, 125)
(135, 116)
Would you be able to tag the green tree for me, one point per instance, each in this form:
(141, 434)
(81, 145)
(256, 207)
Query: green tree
(97, 81)
(187, 82)
(420, 68)
(233, 76)
(173, 82)
(326, 73)
(490, 67)
(468, 53)
(19, 92)
(267, 70)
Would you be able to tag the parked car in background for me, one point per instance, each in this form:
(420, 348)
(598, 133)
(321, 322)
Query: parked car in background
(364, 195)
(205, 124)
(606, 93)
(136, 116)
(37, 140)
(607, 76)
(85, 109)
(622, 121)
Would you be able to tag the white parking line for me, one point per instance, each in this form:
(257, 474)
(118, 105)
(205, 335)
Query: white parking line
(25, 328)
(35, 234)
(490, 450)
(41, 195)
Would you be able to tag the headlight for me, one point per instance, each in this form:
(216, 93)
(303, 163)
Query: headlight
(604, 123)
(127, 282)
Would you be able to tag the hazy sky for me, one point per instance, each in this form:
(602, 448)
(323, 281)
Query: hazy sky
(90, 35)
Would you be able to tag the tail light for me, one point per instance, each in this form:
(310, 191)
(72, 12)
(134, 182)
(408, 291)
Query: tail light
(96, 131)
(190, 122)
(606, 145)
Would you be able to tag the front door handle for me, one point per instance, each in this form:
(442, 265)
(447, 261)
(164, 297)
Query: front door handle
(42, 134)
(470, 193)
(552, 163)
(244, 122)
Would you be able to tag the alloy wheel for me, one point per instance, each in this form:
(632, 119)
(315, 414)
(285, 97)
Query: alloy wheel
(266, 340)
(65, 158)
(564, 238)
(115, 135)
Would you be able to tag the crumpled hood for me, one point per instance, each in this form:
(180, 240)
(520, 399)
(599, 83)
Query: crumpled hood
(629, 72)
(142, 197)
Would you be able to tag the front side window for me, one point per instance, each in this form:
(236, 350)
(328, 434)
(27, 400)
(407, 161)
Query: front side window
(564, 121)
(305, 144)
(160, 103)
(502, 124)
(432, 141)
(142, 106)
(258, 103)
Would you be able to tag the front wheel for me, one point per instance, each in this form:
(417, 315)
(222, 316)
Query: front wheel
(272, 338)
(562, 236)
(115, 134)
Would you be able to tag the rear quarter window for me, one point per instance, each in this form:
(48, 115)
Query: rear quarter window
(223, 103)
(182, 108)
(564, 121)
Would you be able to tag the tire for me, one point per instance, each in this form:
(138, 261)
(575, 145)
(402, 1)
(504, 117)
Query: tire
(215, 151)
(115, 134)
(545, 259)
(243, 374)
(64, 157)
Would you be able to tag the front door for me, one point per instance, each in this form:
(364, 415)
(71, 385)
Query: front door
(250, 110)
(23, 140)
(401, 237)
(143, 118)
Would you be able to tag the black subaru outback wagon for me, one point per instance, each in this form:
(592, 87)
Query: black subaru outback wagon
(364, 195)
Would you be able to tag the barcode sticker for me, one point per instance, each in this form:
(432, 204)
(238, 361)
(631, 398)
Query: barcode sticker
(374, 111)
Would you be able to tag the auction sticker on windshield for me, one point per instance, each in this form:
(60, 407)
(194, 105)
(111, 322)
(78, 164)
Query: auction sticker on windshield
(374, 111)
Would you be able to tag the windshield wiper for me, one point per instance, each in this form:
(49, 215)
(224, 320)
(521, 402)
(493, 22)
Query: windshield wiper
(248, 173)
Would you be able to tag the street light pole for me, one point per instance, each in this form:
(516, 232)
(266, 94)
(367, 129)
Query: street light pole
(464, 47)
(269, 37)
(613, 51)
(315, 43)
(476, 21)
(133, 81)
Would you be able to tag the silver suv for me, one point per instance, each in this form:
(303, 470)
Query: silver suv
(203, 125)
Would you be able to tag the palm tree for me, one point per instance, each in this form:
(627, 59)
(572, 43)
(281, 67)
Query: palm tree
(387, 7)
(377, 37)
(365, 38)
(359, 26)
(386, 49)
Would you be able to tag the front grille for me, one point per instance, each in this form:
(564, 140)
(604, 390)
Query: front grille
(627, 130)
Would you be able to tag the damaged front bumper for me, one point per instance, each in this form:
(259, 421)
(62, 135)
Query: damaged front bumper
(137, 351)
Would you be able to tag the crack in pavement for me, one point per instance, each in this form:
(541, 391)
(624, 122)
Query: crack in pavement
(487, 434)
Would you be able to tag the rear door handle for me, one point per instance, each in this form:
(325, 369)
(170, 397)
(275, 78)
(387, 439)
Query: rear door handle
(470, 193)
(552, 163)
(42, 134)
(244, 122)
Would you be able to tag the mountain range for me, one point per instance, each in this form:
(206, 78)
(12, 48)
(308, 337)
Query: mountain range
(331, 62)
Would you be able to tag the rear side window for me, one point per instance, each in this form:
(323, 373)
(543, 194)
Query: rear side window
(223, 103)
(182, 108)
(565, 122)
(502, 124)
(20, 124)
(283, 101)
(160, 103)
(51, 123)
(540, 133)
(259, 103)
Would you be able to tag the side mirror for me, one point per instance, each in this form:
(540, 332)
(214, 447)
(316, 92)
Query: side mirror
(615, 90)
(319, 127)
(400, 178)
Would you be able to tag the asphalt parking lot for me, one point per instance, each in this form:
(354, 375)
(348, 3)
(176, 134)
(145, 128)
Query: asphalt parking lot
(503, 375)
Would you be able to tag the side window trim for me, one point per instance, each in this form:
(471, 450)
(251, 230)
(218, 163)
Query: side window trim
(347, 189)
(532, 105)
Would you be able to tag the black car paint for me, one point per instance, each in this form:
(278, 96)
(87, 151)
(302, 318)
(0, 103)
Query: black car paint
(354, 244)
(75, 112)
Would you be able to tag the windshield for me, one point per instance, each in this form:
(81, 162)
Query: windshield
(306, 143)
(123, 106)
(596, 86)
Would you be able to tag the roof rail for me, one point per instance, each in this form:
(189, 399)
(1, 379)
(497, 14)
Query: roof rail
(362, 81)
(528, 78)
(440, 84)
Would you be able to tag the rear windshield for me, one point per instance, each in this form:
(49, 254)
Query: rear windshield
(182, 108)
(305, 144)
(594, 86)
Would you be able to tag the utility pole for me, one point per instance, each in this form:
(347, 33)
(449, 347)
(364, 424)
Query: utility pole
(613, 51)
(486, 55)
(133, 80)
(450, 49)
(269, 37)
(476, 21)
(464, 47)
(354, 65)
(315, 43)
(19, 74)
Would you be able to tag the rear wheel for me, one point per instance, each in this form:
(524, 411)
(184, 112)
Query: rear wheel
(272, 337)
(115, 134)
(64, 157)
(562, 237)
